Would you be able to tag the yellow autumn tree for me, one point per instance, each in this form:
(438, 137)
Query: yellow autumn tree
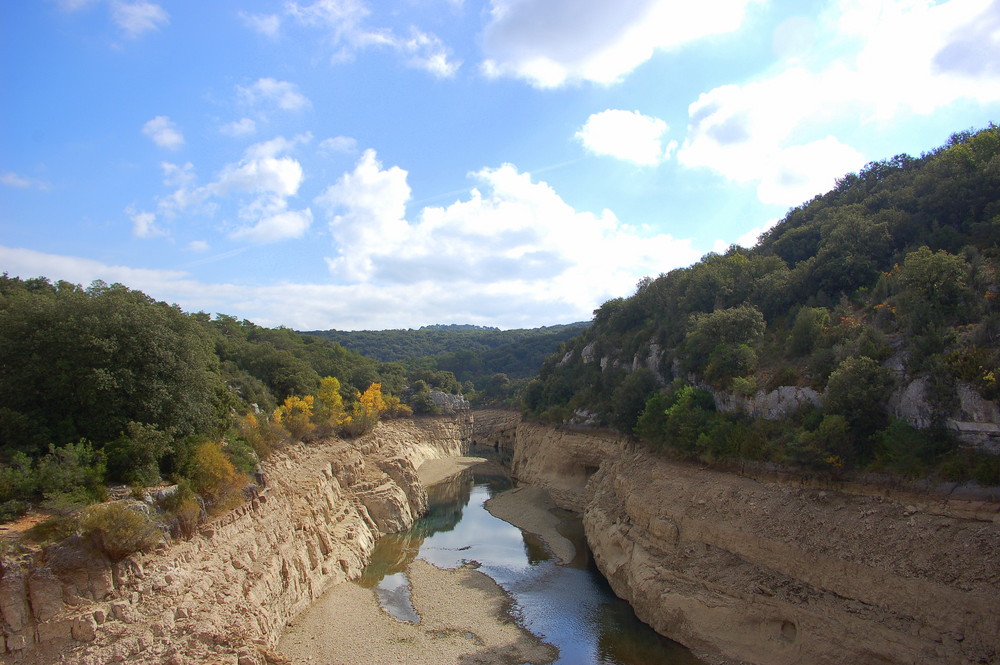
(215, 478)
(365, 411)
(329, 404)
(394, 408)
(295, 415)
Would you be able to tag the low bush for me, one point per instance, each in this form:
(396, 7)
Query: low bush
(119, 530)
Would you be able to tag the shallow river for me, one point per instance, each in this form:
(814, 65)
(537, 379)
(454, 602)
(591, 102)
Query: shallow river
(569, 606)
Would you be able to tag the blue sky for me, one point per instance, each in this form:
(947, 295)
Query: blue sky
(359, 165)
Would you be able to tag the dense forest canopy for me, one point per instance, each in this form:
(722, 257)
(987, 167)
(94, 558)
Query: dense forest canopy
(891, 276)
(105, 384)
(517, 352)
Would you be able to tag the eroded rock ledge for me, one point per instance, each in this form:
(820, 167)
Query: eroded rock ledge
(767, 572)
(224, 596)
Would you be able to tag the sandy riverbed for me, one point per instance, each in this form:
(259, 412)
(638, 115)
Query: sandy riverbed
(530, 509)
(463, 615)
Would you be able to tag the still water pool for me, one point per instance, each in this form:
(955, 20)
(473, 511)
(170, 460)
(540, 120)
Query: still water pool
(570, 606)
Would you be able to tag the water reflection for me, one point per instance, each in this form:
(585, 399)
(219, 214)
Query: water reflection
(569, 606)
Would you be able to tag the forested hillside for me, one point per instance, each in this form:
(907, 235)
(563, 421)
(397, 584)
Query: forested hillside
(890, 277)
(106, 385)
(484, 357)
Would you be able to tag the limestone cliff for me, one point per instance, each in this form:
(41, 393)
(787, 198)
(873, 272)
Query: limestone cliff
(223, 596)
(753, 571)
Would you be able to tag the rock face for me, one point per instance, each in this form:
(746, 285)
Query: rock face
(747, 571)
(495, 427)
(224, 595)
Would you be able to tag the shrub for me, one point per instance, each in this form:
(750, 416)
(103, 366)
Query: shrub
(810, 324)
(75, 470)
(857, 390)
(134, 457)
(295, 415)
(118, 530)
(215, 478)
(183, 511)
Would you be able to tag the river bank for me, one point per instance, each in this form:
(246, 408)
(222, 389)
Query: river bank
(463, 615)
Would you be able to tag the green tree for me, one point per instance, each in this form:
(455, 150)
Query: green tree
(858, 390)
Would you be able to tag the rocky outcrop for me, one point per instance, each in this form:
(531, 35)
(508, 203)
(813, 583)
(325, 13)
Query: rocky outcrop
(743, 570)
(496, 428)
(223, 596)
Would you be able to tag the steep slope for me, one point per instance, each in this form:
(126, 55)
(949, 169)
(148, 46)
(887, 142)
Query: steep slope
(747, 570)
(227, 592)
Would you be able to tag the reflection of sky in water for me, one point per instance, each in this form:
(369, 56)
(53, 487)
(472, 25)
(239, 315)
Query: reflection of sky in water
(570, 607)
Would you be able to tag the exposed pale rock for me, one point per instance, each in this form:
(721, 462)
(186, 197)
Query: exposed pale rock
(772, 573)
(225, 594)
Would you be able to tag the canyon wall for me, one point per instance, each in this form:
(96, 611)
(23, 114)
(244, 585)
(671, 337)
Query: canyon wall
(225, 595)
(746, 570)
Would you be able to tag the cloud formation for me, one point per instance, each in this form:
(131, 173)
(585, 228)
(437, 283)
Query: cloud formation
(551, 43)
(144, 223)
(344, 24)
(136, 18)
(626, 135)
(164, 132)
(272, 92)
(509, 235)
(11, 179)
(262, 181)
(754, 132)
(238, 128)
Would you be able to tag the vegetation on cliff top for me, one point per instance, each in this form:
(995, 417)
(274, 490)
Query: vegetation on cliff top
(891, 276)
(106, 385)
(490, 364)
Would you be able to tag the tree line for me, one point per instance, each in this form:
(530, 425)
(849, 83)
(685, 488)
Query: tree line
(889, 277)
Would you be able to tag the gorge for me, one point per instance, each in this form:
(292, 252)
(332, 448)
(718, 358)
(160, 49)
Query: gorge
(735, 567)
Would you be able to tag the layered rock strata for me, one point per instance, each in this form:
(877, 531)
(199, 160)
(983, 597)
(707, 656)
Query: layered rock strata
(224, 596)
(753, 571)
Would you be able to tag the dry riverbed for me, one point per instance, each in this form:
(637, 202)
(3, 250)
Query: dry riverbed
(463, 616)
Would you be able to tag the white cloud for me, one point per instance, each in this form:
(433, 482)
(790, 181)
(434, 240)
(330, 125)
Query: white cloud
(344, 22)
(268, 25)
(241, 127)
(164, 132)
(11, 179)
(344, 144)
(144, 223)
(198, 246)
(264, 169)
(505, 240)
(627, 135)
(284, 225)
(283, 94)
(553, 42)
(776, 131)
(136, 18)
(266, 172)
(426, 51)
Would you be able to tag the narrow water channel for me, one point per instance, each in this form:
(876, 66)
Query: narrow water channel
(569, 606)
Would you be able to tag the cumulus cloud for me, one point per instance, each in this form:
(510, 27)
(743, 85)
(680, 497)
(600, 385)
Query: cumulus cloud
(282, 94)
(263, 180)
(11, 179)
(241, 127)
(345, 23)
(627, 135)
(775, 131)
(144, 223)
(553, 42)
(509, 235)
(268, 25)
(137, 18)
(281, 225)
(164, 132)
(344, 144)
